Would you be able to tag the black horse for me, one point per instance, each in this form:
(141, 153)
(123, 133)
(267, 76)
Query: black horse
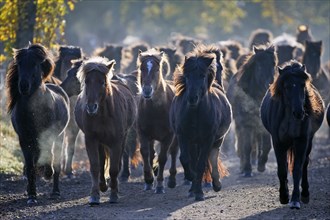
(245, 92)
(200, 116)
(39, 114)
(292, 111)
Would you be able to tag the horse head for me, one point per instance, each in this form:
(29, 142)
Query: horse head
(95, 75)
(199, 73)
(34, 65)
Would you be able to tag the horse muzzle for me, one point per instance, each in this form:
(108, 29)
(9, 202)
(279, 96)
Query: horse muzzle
(92, 108)
(24, 88)
(193, 100)
(147, 92)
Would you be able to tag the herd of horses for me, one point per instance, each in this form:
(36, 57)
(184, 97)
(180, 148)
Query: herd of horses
(185, 101)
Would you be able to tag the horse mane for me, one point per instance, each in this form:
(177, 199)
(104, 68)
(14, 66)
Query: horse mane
(195, 60)
(99, 64)
(313, 103)
(36, 52)
(246, 69)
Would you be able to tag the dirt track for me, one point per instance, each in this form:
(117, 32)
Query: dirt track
(244, 198)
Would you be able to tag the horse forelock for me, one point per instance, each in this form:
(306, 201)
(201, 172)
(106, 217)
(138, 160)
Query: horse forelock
(94, 65)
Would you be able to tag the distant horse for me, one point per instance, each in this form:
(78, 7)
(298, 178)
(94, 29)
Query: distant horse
(105, 111)
(112, 52)
(174, 58)
(303, 34)
(245, 92)
(39, 114)
(130, 56)
(260, 37)
(292, 111)
(153, 118)
(63, 63)
(200, 116)
(312, 60)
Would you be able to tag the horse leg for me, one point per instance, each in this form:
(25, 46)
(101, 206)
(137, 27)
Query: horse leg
(57, 157)
(203, 151)
(282, 172)
(304, 180)
(30, 166)
(116, 152)
(300, 147)
(71, 133)
(214, 156)
(185, 159)
(102, 156)
(130, 143)
(246, 148)
(147, 162)
(174, 149)
(92, 148)
(265, 147)
(162, 158)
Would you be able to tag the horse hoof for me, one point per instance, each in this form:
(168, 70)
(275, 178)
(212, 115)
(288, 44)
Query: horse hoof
(207, 185)
(94, 200)
(55, 195)
(199, 197)
(171, 184)
(247, 174)
(217, 188)
(147, 186)
(124, 179)
(113, 198)
(305, 199)
(160, 190)
(294, 205)
(261, 168)
(190, 195)
(186, 182)
(103, 187)
(32, 201)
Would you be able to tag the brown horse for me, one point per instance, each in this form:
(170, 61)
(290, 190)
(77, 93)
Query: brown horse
(39, 114)
(105, 111)
(153, 117)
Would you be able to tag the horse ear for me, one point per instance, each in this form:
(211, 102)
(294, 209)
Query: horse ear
(303, 67)
(255, 49)
(280, 70)
(271, 48)
(140, 51)
(110, 64)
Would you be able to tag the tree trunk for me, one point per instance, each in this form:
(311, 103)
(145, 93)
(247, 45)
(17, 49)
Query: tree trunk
(27, 10)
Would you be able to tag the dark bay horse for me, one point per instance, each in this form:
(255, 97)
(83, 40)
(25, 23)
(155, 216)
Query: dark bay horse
(245, 92)
(292, 111)
(153, 118)
(312, 60)
(63, 62)
(200, 116)
(105, 111)
(39, 114)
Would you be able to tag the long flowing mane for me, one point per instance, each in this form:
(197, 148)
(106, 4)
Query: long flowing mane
(195, 60)
(296, 69)
(99, 64)
(36, 52)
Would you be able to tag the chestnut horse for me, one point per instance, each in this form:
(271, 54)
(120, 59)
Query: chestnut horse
(200, 116)
(105, 111)
(39, 114)
(153, 117)
(292, 111)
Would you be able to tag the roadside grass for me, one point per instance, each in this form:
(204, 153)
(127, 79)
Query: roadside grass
(11, 157)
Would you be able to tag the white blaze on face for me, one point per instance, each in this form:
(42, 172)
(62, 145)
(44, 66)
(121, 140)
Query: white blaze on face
(149, 66)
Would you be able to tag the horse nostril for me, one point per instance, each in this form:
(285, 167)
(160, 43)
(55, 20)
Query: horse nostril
(92, 108)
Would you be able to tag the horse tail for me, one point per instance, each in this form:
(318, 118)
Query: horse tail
(136, 158)
(290, 160)
(222, 169)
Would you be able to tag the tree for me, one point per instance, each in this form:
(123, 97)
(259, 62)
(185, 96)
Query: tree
(37, 21)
